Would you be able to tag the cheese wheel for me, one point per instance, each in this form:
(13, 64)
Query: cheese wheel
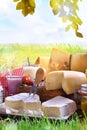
(72, 81)
(54, 80)
(79, 62)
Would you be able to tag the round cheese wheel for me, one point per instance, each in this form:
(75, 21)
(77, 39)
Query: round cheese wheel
(54, 80)
(72, 81)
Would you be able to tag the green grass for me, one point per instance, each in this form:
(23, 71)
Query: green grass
(25, 123)
(15, 55)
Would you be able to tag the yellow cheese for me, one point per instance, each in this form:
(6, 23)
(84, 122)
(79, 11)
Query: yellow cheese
(54, 80)
(72, 81)
(43, 61)
(79, 62)
(59, 60)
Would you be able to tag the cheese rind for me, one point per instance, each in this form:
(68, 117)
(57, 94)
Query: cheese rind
(59, 107)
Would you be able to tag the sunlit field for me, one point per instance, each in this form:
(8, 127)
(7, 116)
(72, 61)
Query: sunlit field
(15, 55)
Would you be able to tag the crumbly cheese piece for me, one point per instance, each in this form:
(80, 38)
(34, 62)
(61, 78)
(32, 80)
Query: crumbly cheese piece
(59, 107)
(54, 80)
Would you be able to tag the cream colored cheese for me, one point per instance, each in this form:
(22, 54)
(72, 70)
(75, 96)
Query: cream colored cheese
(59, 107)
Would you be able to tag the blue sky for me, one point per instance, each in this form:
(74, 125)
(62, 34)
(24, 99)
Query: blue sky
(42, 27)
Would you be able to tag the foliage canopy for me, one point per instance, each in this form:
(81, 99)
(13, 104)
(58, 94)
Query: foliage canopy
(65, 9)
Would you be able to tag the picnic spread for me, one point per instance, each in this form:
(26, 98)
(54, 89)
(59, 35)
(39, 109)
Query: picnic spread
(54, 86)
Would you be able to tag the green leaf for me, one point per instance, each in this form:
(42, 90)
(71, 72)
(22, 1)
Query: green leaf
(15, 0)
(53, 4)
(25, 11)
(68, 27)
(64, 19)
(78, 34)
(55, 11)
(75, 26)
(19, 6)
(32, 3)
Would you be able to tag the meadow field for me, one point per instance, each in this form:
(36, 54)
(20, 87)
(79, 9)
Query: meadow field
(15, 55)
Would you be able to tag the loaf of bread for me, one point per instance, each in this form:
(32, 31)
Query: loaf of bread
(59, 60)
(72, 81)
(54, 80)
(59, 107)
(79, 62)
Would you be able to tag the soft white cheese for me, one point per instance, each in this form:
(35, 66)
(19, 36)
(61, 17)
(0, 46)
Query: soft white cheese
(59, 107)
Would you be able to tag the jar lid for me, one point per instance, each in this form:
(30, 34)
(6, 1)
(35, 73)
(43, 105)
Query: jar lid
(83, 90)
(83, 87)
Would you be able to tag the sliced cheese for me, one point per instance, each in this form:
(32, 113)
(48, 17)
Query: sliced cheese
(54, 80)
(72, 81)
(59, 107)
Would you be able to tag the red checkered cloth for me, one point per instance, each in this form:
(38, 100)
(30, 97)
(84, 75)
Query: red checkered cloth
(18, 72)
(5, 80)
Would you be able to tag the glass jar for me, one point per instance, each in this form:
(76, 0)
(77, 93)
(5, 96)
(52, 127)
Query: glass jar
(82, 92)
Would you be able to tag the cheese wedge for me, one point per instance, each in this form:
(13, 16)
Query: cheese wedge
(59, 60)
(54, 80)
(24, 101)
(59, 107)
(32, 103)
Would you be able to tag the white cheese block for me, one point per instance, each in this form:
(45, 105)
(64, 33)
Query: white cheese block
(59, 107)
(72, 81)
(32, 103)
(54, 80)
(15, 101)
(23, 100)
